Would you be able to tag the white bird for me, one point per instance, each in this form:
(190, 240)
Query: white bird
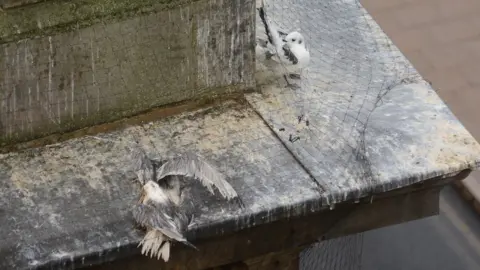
(283, 53)
(167, 205)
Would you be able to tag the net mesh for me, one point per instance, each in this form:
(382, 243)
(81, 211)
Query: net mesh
(353, 65)
(343, 253)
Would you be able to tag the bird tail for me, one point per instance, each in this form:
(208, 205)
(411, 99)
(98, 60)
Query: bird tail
(193, 165)
(155, 244)
(262, 14)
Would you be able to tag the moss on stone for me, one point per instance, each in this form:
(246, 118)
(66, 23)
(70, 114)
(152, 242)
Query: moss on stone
(50, 17)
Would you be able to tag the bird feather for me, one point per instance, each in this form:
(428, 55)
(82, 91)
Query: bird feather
(192, 165)
(150, 217)
(155, 244)
(289, 54)
(270, 29)
(143, 166)
(165, 251)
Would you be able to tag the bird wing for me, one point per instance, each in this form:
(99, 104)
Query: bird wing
(270, 29)
(261, 12)
(143, 166)
(262, 42)
(151, 217)
(289, 54)
(282, 34)
(192, 165)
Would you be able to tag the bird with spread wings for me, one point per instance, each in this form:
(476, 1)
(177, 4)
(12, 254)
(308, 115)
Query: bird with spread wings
(166, 208)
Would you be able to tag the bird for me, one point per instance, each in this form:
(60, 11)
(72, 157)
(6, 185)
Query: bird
(157, 212)
(167, 208)
(283, 53)
(262, 50)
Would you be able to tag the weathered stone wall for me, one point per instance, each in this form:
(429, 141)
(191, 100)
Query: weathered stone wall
(4, 4)
(15, 3)
(65, 65)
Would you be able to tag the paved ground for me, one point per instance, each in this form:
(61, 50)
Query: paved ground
(442, 40)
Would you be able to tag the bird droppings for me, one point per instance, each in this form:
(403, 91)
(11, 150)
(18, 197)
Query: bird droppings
(293, 138)
(300, 118)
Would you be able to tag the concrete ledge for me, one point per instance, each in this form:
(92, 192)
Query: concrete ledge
(260, 242)
(69, 65)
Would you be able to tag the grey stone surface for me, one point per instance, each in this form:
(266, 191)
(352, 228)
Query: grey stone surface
(112, 69)
(367, 107)
(65, 202)
(371, 118)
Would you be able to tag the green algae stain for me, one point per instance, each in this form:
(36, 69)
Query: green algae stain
(56, 16)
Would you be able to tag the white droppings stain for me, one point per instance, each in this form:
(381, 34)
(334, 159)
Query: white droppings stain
(38, 90)
(61, 254)
(50, 67)
(72, 94)
(30, 111)
(446, 146)
(86, 104)
(6, 91)
(33, 262)
(92, 61)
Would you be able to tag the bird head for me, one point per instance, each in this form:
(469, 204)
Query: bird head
(294, 38)
(152, 191)
(151, 186)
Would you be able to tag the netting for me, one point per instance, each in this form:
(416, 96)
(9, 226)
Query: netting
(353, 65)
(343, 253)
(75, 77)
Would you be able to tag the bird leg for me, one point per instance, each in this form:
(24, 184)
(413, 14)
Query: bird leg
(293, 86)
